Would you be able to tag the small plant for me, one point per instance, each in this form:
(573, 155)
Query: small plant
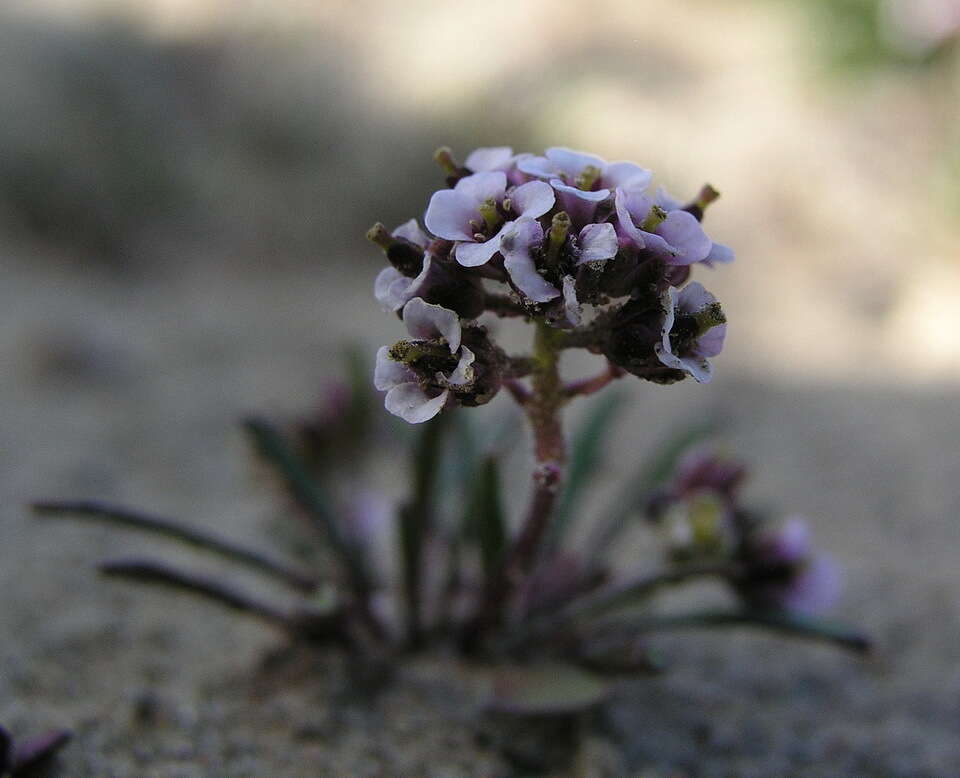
(576, 248)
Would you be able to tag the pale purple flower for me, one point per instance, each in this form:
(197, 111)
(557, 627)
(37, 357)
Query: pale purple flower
(520, 240)
(458, 214)
(521, 244)
(485, 159)
(569, 167)
(583, 181)
(688, 316)
(580, 204)
(718, 252)
(788, 572)
(597, 242)
(409, 396)
(677, 238)
(392, 288)
(701, 467)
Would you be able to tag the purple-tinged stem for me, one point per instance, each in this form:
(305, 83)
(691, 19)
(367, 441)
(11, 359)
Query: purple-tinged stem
(517, 390)
(543, 409)
(587, 386)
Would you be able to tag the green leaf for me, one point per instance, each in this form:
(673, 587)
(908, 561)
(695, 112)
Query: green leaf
(550, 688)
(417, 516)
(485, 517)
(308, 493)
(651, 474)
(586, 459)
(793, 625)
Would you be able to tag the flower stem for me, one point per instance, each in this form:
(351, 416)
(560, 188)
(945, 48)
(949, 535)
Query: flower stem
(543, 409)
(542, 404)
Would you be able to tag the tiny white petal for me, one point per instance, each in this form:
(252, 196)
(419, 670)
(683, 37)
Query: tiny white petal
(626, 205)
(572, 163)
(411, 231)
(489, 158)
(693, 298)
(626, 175)
(481, 187)
(532, 199)
(538, 167)
(449, 214)
(464, 373)
(719, 253)
(571, 304)
(428, 322)
(412, 404)
(666, 200)
(598, 242)
(388, 373)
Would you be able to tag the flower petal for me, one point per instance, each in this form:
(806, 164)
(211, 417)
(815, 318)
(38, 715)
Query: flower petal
(580, 205)
(476, 254)
(518, 260)
(666, 200)
(630, 206)
(429, 322)
(626, 175)
(411, 231)
(693, 298)
(449, 214)
(598, 242)
(388, 288)
(572, 163)
(532, 199)
(538, 167)
(684, 233)
(489, 158)
(711, 342)
(464, 372)
(815, 588)
(388, 373)
(571, 305)
(718, 253)
(412, 404)
(480, 187)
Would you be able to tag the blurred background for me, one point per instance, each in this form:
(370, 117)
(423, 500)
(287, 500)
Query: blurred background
(184, 189)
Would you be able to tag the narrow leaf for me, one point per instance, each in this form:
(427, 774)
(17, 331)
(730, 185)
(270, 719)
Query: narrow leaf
(309, 495)
(416, 519)
(586, 459)
(486, 517)
(133, 519)
(651, 474)
(793, 625)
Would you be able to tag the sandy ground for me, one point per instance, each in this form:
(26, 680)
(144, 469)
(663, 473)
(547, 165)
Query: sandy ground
(131, 391)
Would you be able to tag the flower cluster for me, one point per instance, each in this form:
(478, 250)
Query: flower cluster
(776, 567)
(566, 239)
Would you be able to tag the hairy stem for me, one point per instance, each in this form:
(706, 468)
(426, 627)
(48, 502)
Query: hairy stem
(593, 384)
(543, 409)
(542, 403)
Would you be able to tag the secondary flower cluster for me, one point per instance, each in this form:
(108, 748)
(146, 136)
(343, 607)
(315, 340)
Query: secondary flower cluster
(775, 564)
(570, 240)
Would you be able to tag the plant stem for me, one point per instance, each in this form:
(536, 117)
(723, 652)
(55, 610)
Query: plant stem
(542, 405)
(543, 409)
